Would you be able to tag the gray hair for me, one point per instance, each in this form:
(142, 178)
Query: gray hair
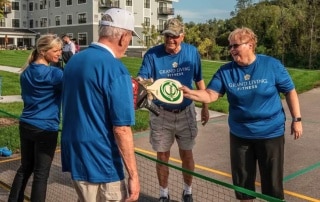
(109, 31)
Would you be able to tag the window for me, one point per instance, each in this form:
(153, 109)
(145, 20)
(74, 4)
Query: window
(31, 6)
(43, 4)
(30, 23)
(161, 25)
(147, 40)
(36, 6)
(82, 1)
(128, 2)
(24, 7)
(146, 3)
(15, 23)
(147, 22)
(15, 6)
(37, 24)
(57, 19)
(57, 3)
(2, 22)
(69, 19)
(24, 24)
(82, 18)
(43, 22)
(162, 5)
(82, 39)
(69, 2)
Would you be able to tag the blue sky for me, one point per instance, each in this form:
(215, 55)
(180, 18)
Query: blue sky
(203, 10)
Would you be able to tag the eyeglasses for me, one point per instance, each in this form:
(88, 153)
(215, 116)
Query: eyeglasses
(171, 36)
(235, 46)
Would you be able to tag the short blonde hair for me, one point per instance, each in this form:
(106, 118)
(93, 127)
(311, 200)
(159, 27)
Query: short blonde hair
(245, 35)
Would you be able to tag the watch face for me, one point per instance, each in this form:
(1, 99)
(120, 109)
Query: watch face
(297, 119)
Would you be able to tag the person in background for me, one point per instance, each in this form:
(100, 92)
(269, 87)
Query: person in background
(76, 45)
(41, 87)
(69, 48)
(180, 61)
(253, 83)
(98, 111)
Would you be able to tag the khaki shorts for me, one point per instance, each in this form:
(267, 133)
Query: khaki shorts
(100, 192)
(169, 126)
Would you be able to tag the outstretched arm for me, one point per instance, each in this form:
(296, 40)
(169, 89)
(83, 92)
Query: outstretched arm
(204, 96)
(204, 111)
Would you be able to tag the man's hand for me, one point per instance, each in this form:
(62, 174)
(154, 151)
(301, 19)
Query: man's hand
(204, 114)
(134, 189)
(142, 98)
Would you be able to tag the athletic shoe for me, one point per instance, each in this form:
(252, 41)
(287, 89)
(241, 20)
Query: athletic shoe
(164, 199)
(187, 197)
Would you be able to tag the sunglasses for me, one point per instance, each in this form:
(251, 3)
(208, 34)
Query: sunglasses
(235, 46)
(171, 36)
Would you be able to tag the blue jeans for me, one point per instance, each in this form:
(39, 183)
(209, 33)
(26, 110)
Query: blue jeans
(37, 152)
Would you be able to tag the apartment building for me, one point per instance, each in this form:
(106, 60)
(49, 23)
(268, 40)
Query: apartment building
(25, 20)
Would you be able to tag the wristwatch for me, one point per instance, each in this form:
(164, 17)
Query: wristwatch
(296, 119)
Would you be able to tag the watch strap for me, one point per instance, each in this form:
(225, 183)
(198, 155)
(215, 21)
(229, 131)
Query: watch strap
(296, 119)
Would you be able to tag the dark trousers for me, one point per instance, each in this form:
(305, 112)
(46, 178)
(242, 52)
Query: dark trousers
(37, 152)
(268, 153)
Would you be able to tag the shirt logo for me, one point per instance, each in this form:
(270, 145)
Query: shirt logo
(247, 77)
(174, 64)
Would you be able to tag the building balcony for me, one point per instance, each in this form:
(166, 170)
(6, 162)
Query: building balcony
(7, 9)
(108, 4)
(165, 11)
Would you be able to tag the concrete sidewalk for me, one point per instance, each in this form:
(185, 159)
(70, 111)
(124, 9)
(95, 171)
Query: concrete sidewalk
(10, 98)
(10, 69)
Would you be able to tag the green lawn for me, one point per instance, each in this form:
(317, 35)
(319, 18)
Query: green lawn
(303, 79)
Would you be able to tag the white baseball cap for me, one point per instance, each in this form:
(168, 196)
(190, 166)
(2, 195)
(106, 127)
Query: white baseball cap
(120, 18)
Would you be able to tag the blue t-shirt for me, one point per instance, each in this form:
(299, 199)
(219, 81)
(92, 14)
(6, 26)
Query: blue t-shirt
(255, 107)
(97, 95)
(41, 87)
(184, 66)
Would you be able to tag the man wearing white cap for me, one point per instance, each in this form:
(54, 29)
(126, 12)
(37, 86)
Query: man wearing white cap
(98, 112)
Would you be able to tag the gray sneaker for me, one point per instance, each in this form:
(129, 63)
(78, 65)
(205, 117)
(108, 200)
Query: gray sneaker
(164, 199)
(187, 197)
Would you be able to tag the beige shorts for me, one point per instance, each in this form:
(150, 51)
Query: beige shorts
(169, 126)
(101, 192)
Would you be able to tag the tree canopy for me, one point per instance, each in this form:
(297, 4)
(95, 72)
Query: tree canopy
(286, 29)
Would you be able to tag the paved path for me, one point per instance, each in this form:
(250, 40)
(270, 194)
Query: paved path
(10, 69)
(10, 98)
